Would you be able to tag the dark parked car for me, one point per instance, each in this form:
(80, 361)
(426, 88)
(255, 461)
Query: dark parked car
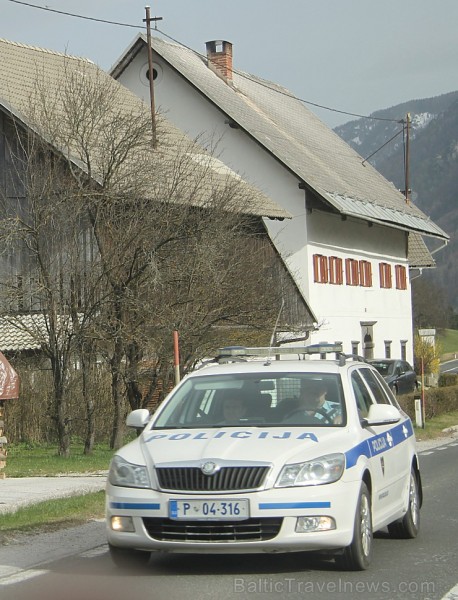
(398, 374)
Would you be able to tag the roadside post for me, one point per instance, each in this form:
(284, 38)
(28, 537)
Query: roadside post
(418, 412)
(176, 357)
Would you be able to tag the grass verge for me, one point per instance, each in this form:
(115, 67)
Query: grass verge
(26, 460)
(53, 514)
(448, 340)
(434, 427)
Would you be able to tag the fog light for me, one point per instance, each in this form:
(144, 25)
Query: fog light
(122, 524)
(308, 524)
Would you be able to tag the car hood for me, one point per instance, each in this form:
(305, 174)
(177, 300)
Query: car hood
(271, 445)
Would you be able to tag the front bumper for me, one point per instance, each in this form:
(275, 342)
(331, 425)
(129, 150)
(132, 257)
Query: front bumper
(274, 512)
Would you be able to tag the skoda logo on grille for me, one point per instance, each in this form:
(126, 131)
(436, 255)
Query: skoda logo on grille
(209, 467)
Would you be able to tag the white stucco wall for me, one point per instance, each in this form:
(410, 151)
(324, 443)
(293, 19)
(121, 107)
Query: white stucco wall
(341, 308)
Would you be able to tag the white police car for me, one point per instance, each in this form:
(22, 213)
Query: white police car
(267, 456)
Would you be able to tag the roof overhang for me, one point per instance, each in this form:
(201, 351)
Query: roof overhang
(384, 215)
(127, 57)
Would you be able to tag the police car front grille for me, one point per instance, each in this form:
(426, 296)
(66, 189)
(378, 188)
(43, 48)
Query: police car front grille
(192, 479)
(249, 530)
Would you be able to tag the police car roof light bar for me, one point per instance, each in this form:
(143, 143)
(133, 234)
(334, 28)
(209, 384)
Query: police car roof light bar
(242, 351)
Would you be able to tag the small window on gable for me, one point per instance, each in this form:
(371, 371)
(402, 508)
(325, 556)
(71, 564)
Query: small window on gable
(335, 270)
(351, 271)
(385, 275)
(320, 268)
(401, 277)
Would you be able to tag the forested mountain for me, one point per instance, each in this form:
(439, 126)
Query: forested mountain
(433, 167)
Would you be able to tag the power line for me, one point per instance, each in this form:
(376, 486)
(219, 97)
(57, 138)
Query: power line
(283, 93)
(240, 73)
(385, 144)
(68, 14)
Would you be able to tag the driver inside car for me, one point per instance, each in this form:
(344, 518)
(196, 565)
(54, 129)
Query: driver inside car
(313, 406)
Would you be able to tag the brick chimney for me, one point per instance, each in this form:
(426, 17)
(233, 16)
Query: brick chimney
(219, 55)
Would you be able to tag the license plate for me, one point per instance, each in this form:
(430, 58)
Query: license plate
(227, 509)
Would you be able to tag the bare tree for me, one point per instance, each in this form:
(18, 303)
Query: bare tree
(128, 244)
(42, 231)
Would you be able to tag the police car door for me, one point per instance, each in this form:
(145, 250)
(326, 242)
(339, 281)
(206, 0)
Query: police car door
(387, 455)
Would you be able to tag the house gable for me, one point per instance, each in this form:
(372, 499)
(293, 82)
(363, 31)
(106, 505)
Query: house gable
(345, 215)
(318, 157)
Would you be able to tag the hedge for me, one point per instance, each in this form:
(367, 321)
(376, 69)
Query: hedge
(438, 401)
(448, 379)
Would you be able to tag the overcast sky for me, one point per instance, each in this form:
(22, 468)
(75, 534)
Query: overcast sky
(350, 55)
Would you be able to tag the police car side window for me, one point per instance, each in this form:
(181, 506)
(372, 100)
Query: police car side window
(375, 387)
(362, 396)
(384, 386)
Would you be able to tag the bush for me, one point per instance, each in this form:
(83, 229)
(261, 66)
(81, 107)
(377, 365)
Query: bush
(448, 379)
(437, 401)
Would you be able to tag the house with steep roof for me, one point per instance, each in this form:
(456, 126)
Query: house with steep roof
(352, 238)
(29, 71)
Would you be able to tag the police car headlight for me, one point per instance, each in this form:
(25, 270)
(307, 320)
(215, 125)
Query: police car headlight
(126, 474)
(325, 469)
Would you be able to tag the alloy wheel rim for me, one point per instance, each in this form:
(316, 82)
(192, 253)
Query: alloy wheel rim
(413, 500)
(366, 526)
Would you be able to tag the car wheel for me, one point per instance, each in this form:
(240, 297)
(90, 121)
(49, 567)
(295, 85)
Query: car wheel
(409, 525)
(128, 558)
(358, 555)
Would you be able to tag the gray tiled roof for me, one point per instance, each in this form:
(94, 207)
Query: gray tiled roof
(25, 332)
(23, 66)
(29, 331)
(419, 255)
(296, 137)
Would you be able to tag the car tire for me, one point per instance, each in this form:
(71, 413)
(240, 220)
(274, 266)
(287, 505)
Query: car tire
(409, 526)
(358, 555)
(129, 558)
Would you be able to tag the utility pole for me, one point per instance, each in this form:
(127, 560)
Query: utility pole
(407, 159)
(150, 70)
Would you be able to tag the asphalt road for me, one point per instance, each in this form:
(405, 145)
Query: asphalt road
(74, 564)
(451, 366)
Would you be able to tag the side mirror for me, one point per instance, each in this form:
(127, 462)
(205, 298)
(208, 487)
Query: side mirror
(138, 419)
(382, 414)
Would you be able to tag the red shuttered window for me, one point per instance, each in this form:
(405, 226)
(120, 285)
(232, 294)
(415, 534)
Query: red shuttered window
(401, 277)
(320, 269)
(365, 273)
(385, 275)
(335, 270)
(351, 271)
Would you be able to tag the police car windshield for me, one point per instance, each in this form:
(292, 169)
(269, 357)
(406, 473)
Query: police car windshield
(274, 399)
